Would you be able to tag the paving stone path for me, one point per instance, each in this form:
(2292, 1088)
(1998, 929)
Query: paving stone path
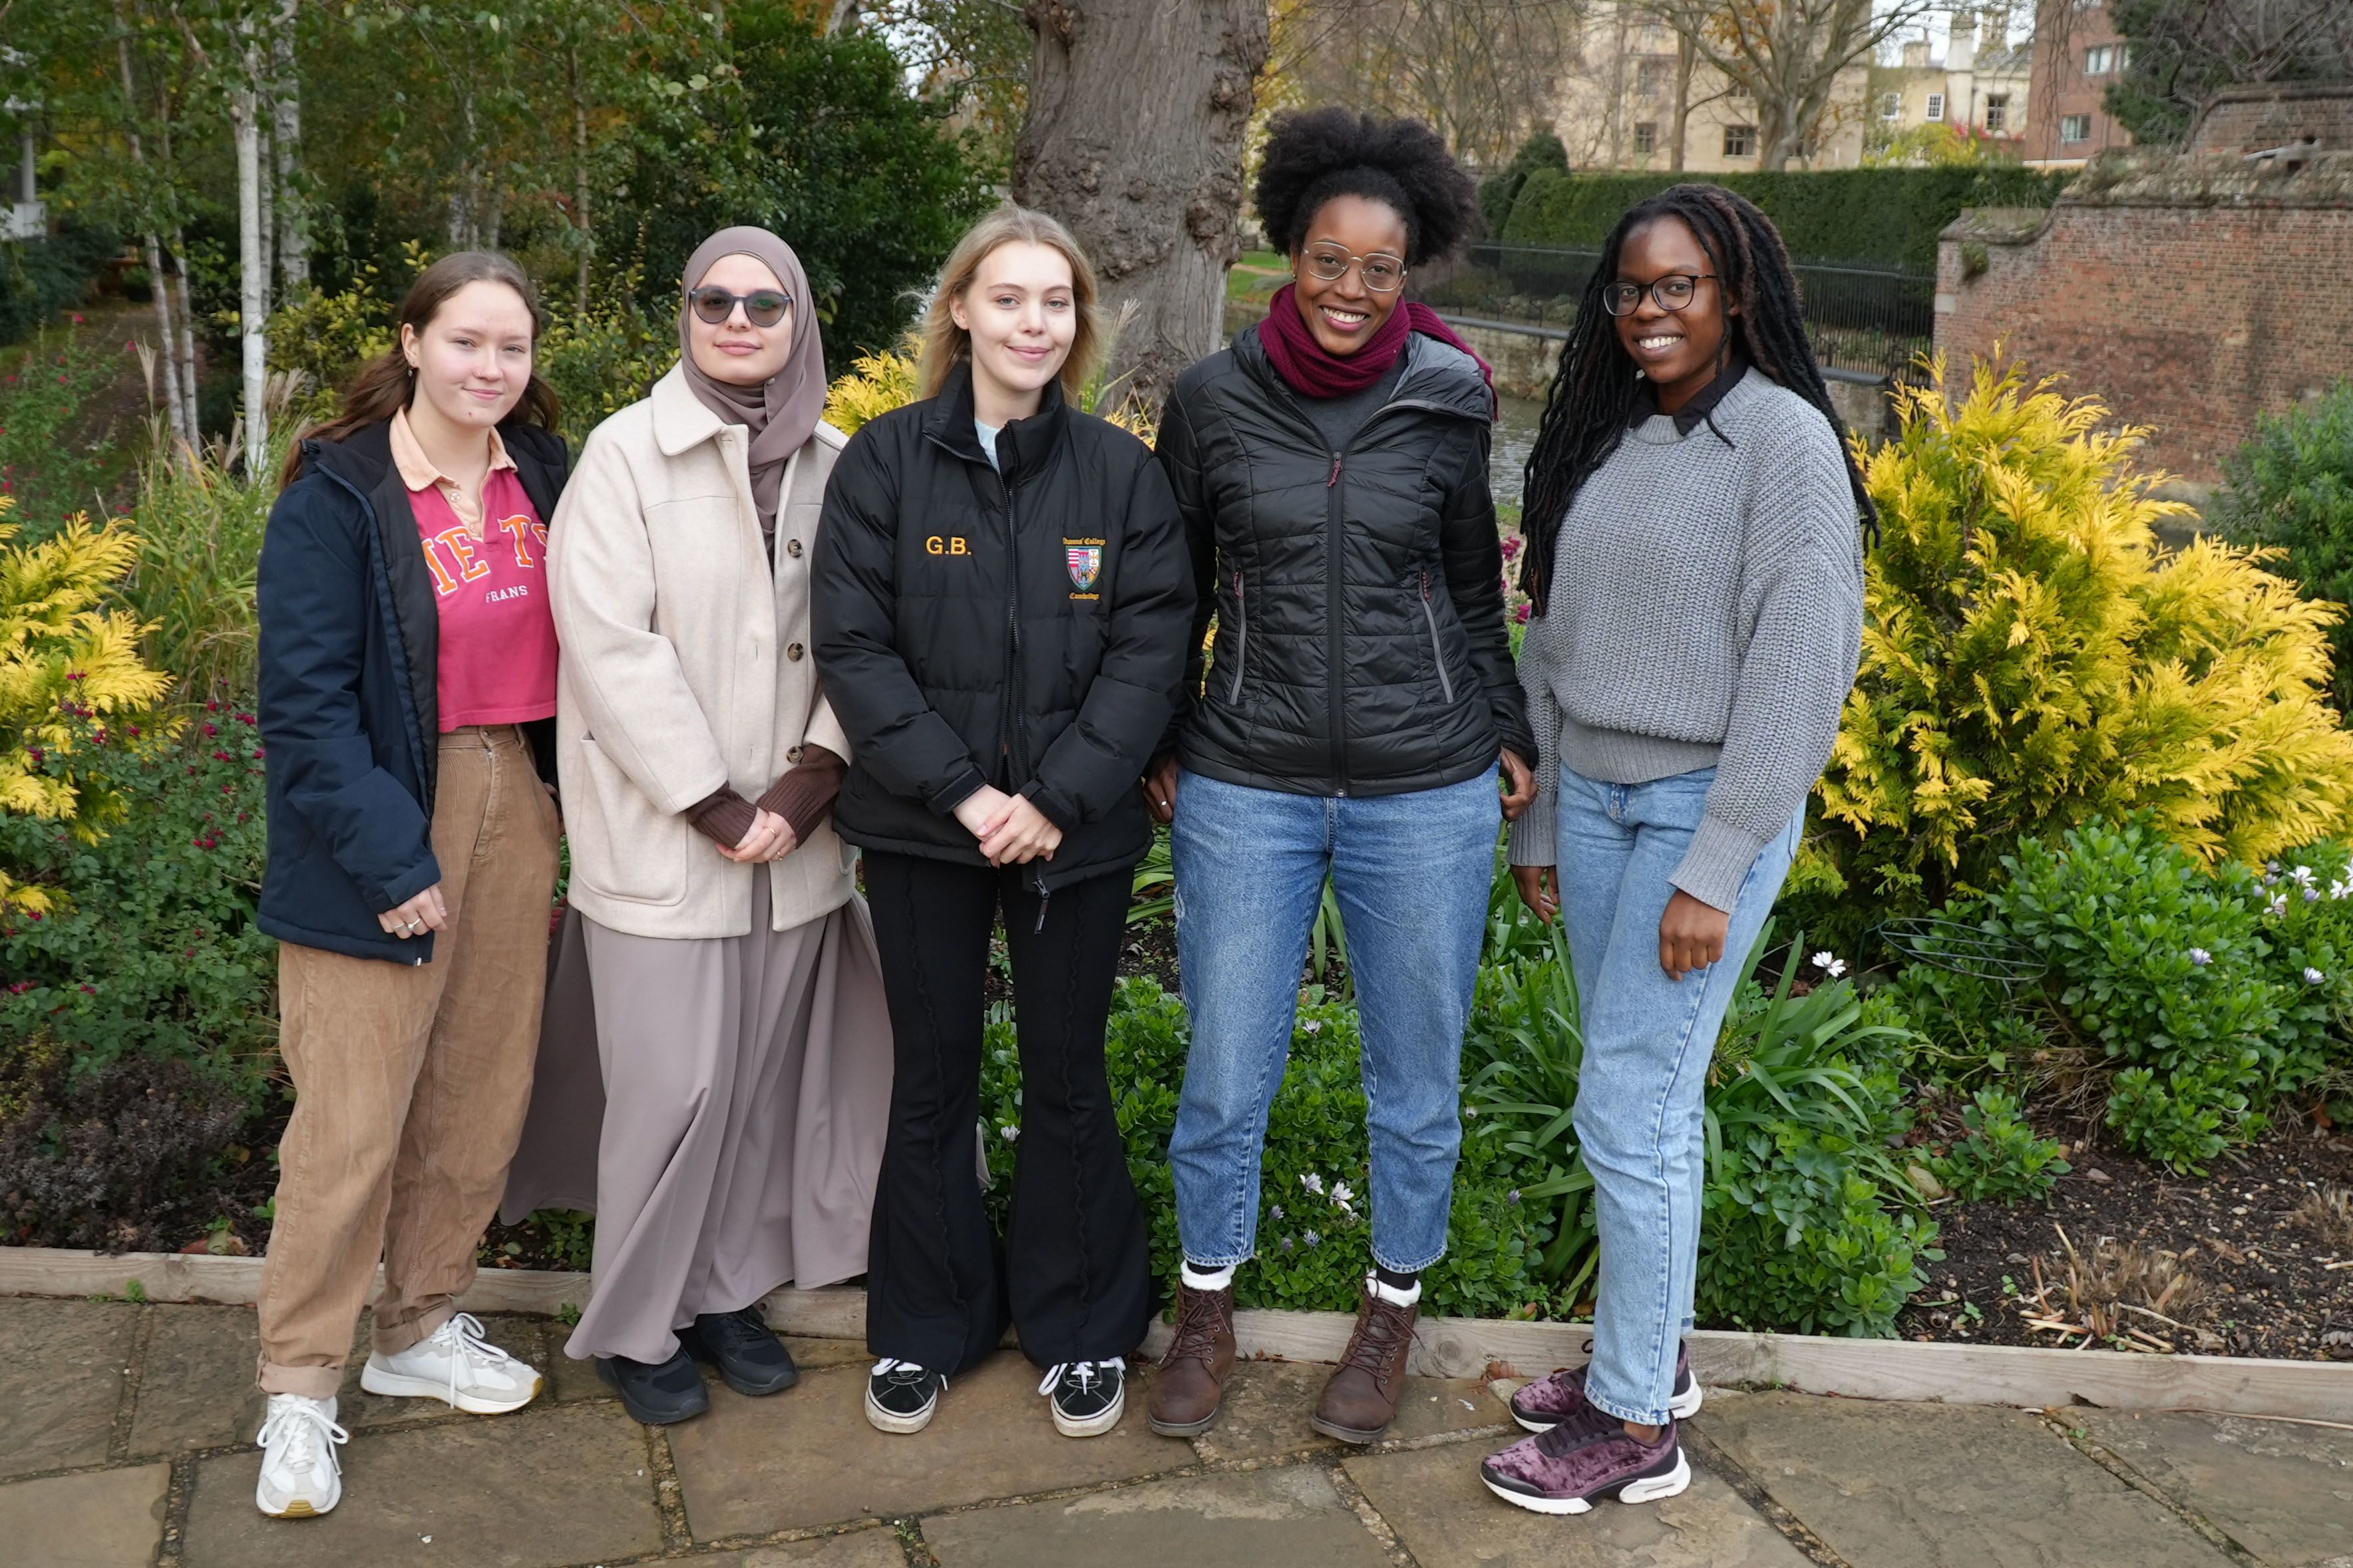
(125, 1441)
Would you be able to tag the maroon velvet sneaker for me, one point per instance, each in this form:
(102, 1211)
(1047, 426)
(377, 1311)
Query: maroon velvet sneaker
(1545, 1402)
(1587, 1456)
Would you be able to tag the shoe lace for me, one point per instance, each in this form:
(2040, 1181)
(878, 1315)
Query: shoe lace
(463, 1341)
(904, 1373)
(1376, 1338)
(297, 1427)
(1197, 1326)
(1082, 1373)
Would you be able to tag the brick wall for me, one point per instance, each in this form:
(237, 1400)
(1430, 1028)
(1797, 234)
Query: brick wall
(2253, 119)
(2187, 292)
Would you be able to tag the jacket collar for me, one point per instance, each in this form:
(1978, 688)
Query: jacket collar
(1437, 376)
(682, 421)
(1027, 444)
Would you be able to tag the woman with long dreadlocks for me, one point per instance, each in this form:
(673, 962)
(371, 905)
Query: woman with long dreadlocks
(1695, 563)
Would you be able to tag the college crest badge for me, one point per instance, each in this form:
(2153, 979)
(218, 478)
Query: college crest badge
(1086, 559)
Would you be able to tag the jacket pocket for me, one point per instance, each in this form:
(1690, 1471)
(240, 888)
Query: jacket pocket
(622, 847)
(1437, 645)
(1241, 639)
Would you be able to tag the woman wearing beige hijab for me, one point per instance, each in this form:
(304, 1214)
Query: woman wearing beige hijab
(741, 1026)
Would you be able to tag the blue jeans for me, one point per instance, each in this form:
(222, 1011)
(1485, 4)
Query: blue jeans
(1412, 873)
(1648, 1039)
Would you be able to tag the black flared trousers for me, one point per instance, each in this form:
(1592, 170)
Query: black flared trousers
(1073, 1272)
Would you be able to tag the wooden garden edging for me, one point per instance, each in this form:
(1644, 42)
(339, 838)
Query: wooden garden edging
(1446, 1347)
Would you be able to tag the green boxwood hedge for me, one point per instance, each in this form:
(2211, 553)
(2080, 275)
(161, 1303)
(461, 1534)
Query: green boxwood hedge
(1888, 217)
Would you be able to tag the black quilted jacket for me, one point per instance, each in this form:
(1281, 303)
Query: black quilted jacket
(1025, 631)
(1359, 596)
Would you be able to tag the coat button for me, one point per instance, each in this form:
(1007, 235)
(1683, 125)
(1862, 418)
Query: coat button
(794, 756)
(794, 651)
(793, 548)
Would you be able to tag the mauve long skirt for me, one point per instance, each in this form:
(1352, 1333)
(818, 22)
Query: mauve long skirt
(749, 1082)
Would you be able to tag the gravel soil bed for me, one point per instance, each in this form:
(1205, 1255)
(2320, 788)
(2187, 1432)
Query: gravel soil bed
(2247, 1252)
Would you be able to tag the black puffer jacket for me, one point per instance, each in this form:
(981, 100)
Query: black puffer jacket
(1359, 595)
(1027, 631)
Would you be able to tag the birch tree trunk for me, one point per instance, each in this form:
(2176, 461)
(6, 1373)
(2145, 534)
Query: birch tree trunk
(253, 268)
(1134, 138)
(180, 416)
(294, 226)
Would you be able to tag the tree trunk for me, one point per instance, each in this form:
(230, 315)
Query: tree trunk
(1134, 138)
(253, 272)
(1686, 60)
(182, 417)
(580, 218)
(286, 141)
(1618, 86)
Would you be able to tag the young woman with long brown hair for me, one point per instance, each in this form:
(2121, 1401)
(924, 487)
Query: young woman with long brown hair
(408, 690)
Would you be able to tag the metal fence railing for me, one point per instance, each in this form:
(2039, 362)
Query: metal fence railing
(1861, 318)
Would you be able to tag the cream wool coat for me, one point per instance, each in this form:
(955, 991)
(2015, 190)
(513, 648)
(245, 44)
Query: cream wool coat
(686, 666)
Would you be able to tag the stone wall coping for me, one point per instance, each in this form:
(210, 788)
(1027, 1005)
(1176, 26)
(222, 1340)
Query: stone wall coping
(2023, 1376)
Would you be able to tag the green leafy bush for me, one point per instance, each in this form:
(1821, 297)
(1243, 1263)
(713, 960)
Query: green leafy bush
(41, 277)
(2291, 488)
(148, 946)
(1888, 217)
(2170, 972)
(816, 137)
(47, 389)
(2000, 1157)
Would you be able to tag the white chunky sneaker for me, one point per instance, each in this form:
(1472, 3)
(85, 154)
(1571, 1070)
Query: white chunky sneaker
(300, 1478)
(458, 1366)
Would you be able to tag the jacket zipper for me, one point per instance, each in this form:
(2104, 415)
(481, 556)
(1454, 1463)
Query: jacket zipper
(1016, 750)
(1437, 650)
(1335, 652)
(1242, 637)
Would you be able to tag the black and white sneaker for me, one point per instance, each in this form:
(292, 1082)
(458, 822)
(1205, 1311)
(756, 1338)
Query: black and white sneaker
(901, 1396)
(1087, 1396)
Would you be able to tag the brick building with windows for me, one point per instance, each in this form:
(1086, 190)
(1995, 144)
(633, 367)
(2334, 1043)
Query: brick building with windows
(2078, 56)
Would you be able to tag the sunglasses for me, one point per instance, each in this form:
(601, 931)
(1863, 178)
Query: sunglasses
(762, 307)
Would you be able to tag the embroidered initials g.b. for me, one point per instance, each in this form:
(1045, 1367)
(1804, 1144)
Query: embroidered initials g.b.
(953, 544)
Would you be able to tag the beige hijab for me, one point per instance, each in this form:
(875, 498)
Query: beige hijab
(782, 412)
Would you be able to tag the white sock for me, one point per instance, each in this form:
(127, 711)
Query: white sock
(1391, 1294)
(1208, 1278)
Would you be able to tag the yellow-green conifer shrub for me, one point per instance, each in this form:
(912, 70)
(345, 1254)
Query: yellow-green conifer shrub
(2031, 659)
(68, 664)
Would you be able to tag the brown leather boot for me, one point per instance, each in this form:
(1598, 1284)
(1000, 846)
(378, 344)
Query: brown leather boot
(1361, 1398)
(1190, 1379)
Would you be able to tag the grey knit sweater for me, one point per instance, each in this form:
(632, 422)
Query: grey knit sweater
(1705, 611)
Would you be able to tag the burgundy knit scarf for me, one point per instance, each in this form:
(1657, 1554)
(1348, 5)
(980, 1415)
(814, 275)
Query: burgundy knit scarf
(1313, 370)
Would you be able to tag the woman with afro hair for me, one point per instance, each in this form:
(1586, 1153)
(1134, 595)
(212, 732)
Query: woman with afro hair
(1694, 527)
(1331, 467)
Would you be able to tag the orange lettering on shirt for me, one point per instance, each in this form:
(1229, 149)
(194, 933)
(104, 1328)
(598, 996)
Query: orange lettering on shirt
(460, 542)
(443, 583)
(524, 531)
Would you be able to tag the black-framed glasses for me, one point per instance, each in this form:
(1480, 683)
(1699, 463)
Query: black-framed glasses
(1672, 292)
(762, 307)
(1382, 273)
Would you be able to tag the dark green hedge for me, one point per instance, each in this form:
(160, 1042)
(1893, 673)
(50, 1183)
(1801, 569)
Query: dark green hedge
(40, 277)
(1874, 216)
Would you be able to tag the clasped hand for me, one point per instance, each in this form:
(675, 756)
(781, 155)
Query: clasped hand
(1691, 933)
(770, 838)
(1011, 831)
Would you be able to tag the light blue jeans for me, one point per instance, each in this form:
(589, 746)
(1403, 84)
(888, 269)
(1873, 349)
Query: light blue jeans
(1412, 873)
(1640, 1095)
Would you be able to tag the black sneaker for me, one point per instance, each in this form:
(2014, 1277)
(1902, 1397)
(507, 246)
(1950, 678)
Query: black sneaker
(901, 1396)
(749, 1356)
(657, 1393)
(1087, 1395)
